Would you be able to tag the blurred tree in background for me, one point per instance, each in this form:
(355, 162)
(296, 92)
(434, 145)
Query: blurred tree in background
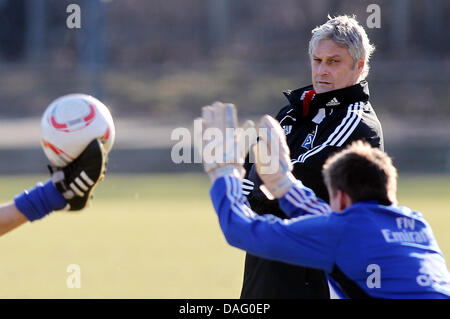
(169, 57)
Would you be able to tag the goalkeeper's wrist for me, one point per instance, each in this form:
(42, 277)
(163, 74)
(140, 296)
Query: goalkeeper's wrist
(40, 201)
(230, 170)
(280, 187)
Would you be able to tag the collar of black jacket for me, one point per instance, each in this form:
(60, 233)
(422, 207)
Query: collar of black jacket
(329, 100)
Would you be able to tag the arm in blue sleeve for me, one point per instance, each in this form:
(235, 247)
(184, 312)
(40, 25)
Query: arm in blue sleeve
(308, 241)
(301, 200)
(40, 201)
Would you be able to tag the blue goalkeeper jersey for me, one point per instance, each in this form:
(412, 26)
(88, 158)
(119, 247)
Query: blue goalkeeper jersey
(368, 250)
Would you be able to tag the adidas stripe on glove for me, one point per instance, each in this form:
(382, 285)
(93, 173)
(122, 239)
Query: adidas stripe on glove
(70, 186)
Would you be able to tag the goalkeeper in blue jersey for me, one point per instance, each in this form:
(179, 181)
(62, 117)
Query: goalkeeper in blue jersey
(369, 246)
(70, 187)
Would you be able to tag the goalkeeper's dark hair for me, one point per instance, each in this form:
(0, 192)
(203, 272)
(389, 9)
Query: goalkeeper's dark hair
(363, 172)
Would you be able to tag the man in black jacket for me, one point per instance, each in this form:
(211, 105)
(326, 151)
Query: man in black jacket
(320, 119)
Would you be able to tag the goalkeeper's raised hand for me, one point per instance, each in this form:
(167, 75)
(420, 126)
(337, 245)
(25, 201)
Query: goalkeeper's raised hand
(223, 151)
(273, 162)
(77, 181)
(70, 187)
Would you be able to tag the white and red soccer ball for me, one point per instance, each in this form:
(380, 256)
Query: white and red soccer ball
(70, 123)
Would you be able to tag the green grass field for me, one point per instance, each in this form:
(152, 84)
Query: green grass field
(151, 236)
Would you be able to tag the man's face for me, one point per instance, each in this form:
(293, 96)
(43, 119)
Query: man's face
(332, 67)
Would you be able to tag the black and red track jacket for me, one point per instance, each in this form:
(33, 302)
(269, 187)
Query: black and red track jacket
(316, 126)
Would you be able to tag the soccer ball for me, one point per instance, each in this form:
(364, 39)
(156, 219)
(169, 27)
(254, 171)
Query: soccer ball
(70, 123)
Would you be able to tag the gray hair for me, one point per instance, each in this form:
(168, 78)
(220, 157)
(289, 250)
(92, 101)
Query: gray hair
(346, 32)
